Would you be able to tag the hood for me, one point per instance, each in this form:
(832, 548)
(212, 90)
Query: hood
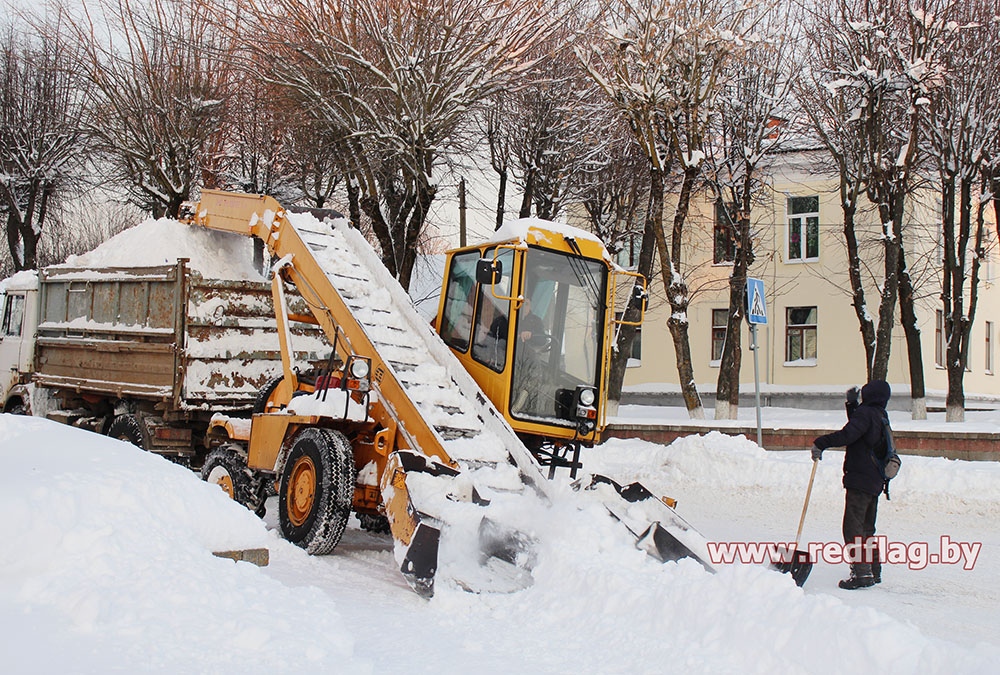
(876, 392)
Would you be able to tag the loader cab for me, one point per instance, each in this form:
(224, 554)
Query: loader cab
(529, 316)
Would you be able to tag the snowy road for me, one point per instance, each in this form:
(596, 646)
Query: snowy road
(106, 566)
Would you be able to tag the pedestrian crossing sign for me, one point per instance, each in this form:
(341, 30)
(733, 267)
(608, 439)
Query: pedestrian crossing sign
(756, 309)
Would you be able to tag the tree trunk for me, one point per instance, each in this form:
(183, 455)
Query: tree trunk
(914, 355)
(501, 200)
(626, 334)
(890, 212)
(865, 322)
(353, 201)
(677, 295)
(727, 396)
(529, 194)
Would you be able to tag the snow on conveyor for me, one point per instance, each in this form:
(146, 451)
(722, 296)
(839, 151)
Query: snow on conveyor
(470, 429)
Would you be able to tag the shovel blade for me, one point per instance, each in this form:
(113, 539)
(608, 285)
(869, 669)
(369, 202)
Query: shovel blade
(799, 566)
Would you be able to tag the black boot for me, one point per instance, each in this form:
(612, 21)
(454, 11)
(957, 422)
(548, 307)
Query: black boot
(861, 577)
(876, 567)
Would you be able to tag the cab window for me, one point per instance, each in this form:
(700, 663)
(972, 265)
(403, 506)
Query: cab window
(13, 313)
(492, 316)
(460, 295)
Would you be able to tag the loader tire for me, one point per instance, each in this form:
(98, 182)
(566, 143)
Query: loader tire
(127, 428)
(260, 402)
(226, 468)
(317, 489)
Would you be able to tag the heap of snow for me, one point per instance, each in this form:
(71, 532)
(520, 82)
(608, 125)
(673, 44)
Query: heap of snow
(216, 255)
(107, 555)
(108, 558)
(25, 280)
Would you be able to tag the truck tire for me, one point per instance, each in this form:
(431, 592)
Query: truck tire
(126, 428)
(226, 468)
(260, 402)
(317, 489)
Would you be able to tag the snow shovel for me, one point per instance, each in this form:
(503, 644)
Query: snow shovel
(800, 565)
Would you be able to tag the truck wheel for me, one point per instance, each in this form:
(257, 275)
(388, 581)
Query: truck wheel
(260, 402)
(225, 467)
(18, 409)
(126, 428)
(317, 489)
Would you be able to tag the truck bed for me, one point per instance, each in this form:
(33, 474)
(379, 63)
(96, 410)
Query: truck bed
(162, 333)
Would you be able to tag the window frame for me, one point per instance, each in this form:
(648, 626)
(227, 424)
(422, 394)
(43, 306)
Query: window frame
(939, 340)
(449, 339)
(801, 329)
(729, 228)
(481, 291)
(717, 336)
(803, 230)
(12, 303)
(990, 340)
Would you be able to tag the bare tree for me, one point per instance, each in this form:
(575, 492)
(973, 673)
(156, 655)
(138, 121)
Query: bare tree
(614, 191)
(493, 121)
(871, 67)
(161, 75)
(662, 63)
(41, 143)
(756, 119)
(401, 79)
(964, 123)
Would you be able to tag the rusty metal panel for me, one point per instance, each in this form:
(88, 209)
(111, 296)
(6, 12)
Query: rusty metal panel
(231, 347)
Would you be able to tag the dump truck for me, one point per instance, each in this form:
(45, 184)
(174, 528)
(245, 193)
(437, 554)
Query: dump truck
(393, 426)
(144, 354)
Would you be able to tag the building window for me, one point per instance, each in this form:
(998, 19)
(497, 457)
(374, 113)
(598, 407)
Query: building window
(628, 254)
(803, 228)
(989, 347)
(724, 242)
(800, 335)
(939, 340)
(720, 318)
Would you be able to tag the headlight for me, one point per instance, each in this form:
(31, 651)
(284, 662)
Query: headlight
(359, 368)
(587, 396)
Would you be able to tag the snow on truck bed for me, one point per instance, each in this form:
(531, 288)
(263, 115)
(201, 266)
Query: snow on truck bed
(107, 566)
(216, 255)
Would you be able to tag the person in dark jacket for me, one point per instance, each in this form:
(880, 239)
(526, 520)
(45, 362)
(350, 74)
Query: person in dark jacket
(862, 479)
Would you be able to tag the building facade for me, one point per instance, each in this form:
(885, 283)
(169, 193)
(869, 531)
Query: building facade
(812, 338)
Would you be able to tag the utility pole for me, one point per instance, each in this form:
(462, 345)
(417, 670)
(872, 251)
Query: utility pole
(461, 213)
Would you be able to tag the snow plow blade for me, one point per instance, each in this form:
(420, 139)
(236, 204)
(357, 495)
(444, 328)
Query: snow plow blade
(658, 529)
(420, 560)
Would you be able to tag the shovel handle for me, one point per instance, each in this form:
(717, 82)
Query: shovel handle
(805, 507)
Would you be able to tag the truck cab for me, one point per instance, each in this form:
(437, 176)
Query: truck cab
(18, 327)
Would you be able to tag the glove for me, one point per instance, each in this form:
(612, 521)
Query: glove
(817, 454)
(853, 395)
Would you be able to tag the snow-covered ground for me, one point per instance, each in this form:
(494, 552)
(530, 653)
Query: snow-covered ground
(106, 566)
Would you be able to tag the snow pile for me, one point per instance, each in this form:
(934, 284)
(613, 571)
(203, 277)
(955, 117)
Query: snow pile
(107, 557)
(25, 280)
(736, 465)
(216, 255)
(108, 554)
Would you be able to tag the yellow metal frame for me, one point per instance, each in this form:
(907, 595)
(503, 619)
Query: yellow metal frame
(263, 217)
(500, 383)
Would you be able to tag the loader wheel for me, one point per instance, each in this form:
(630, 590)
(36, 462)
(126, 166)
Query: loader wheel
(317, 488)
(225, 467)
(126, 428)
(260, 402)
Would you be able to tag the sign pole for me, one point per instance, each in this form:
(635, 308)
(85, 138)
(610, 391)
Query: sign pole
(756, 314)
(756, 381)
